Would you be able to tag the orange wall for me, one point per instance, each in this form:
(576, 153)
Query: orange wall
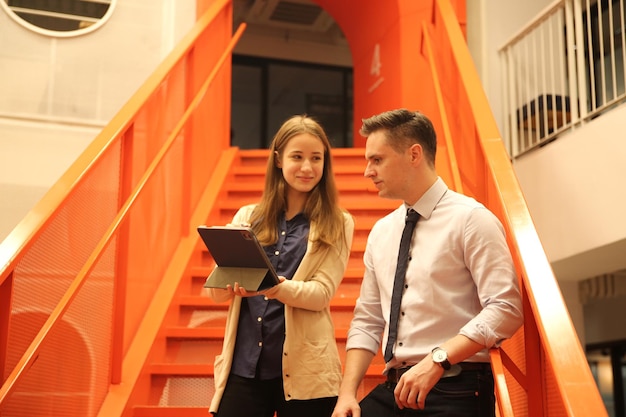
(395, 32)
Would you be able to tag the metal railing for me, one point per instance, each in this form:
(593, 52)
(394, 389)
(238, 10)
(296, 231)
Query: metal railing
(533, 377)
(562, 70)
(83, 270)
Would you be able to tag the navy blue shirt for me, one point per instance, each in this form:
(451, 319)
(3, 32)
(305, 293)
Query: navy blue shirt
(261, 328)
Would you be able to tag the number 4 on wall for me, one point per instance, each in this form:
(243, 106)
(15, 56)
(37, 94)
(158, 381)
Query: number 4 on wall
(375, 67)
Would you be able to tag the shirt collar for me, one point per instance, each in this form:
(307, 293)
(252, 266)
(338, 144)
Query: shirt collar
(426, 204)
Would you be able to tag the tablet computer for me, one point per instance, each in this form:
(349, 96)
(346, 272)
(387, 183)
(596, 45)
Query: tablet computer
(239, 257)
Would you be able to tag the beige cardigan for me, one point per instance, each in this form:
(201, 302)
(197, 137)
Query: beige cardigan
(311, 364)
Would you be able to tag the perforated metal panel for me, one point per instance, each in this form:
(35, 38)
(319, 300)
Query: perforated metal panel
(69, 377)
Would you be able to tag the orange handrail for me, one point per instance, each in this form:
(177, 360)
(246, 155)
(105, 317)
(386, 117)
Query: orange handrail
(547, 347)
(450, 153)
(505, 407)
(26, 232)
(74, 243)
(31, 353)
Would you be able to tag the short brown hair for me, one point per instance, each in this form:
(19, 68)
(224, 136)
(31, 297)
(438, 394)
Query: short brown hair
(403, 128)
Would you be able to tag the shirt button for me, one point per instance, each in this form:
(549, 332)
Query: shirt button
(282, 233)
(276, 253)
(259, 319)
(260, 344)
(400, 344)
(265, 298)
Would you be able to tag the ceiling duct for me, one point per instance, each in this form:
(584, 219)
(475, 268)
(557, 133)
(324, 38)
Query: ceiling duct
(290, 14)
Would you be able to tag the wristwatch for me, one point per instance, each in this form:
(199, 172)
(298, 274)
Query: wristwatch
(440, 357)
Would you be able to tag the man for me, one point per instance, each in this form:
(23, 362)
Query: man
(460, 293)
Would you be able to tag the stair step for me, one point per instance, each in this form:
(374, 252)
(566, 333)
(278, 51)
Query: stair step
(355, 205)
(364, 217)
(343, 185)
(346, 162)
(186, 369)
(340, 170)
(217, 333)
(190, 346)
(354, 268)
(353, 272)
(337, 152)
(159, 411)
(350, 284)
(349, 287)
(202, 302)
(181, 364)
(363, 223)
(206, 369)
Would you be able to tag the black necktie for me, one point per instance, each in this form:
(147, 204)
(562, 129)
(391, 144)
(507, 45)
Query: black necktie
(398, 283)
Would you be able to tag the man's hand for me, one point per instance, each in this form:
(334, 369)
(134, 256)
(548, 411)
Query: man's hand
(416, 383)
(347, 406)
(357, 361)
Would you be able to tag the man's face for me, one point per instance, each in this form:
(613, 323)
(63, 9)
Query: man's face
(389, 170)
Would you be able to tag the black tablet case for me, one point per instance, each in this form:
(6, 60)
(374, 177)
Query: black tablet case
(239, 257)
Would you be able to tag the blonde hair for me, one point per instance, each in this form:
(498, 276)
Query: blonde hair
(322, 205)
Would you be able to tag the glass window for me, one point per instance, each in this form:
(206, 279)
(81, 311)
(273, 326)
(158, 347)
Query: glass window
(608, 366)
(59, 18)
(246, 117)
(267, 92)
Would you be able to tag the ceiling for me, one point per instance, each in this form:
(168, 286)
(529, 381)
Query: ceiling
(296, 19)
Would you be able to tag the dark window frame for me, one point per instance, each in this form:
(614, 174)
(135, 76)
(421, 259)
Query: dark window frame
(264, 64)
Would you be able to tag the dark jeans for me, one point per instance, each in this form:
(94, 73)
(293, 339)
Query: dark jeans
(470, 394)
(246, 397)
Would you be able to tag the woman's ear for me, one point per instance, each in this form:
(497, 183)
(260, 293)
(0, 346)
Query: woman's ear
(277, 160)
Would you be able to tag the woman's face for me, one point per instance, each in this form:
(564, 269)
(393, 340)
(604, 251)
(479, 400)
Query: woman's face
(302, 162)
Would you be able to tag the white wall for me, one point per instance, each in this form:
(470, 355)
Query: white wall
(574, 185)
(57, 93)
(491, 23)
(32, 157)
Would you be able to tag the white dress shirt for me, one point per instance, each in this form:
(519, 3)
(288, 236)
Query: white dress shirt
(460, 280)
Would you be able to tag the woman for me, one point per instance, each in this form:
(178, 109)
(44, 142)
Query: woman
(279, 353)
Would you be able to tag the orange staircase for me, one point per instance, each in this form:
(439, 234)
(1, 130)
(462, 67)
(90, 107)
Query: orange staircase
(181, 380)
(101, 312)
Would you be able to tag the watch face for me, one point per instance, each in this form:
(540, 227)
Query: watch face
(439, 355)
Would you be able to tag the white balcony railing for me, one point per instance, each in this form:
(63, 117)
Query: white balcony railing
(561, 70)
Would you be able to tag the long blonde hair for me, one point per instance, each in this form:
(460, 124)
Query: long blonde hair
(322, 205)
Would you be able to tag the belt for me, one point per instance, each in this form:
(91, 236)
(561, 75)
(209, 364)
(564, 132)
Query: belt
(394, 374)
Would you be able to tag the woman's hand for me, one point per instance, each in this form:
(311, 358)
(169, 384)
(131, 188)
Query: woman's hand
(241, 291)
